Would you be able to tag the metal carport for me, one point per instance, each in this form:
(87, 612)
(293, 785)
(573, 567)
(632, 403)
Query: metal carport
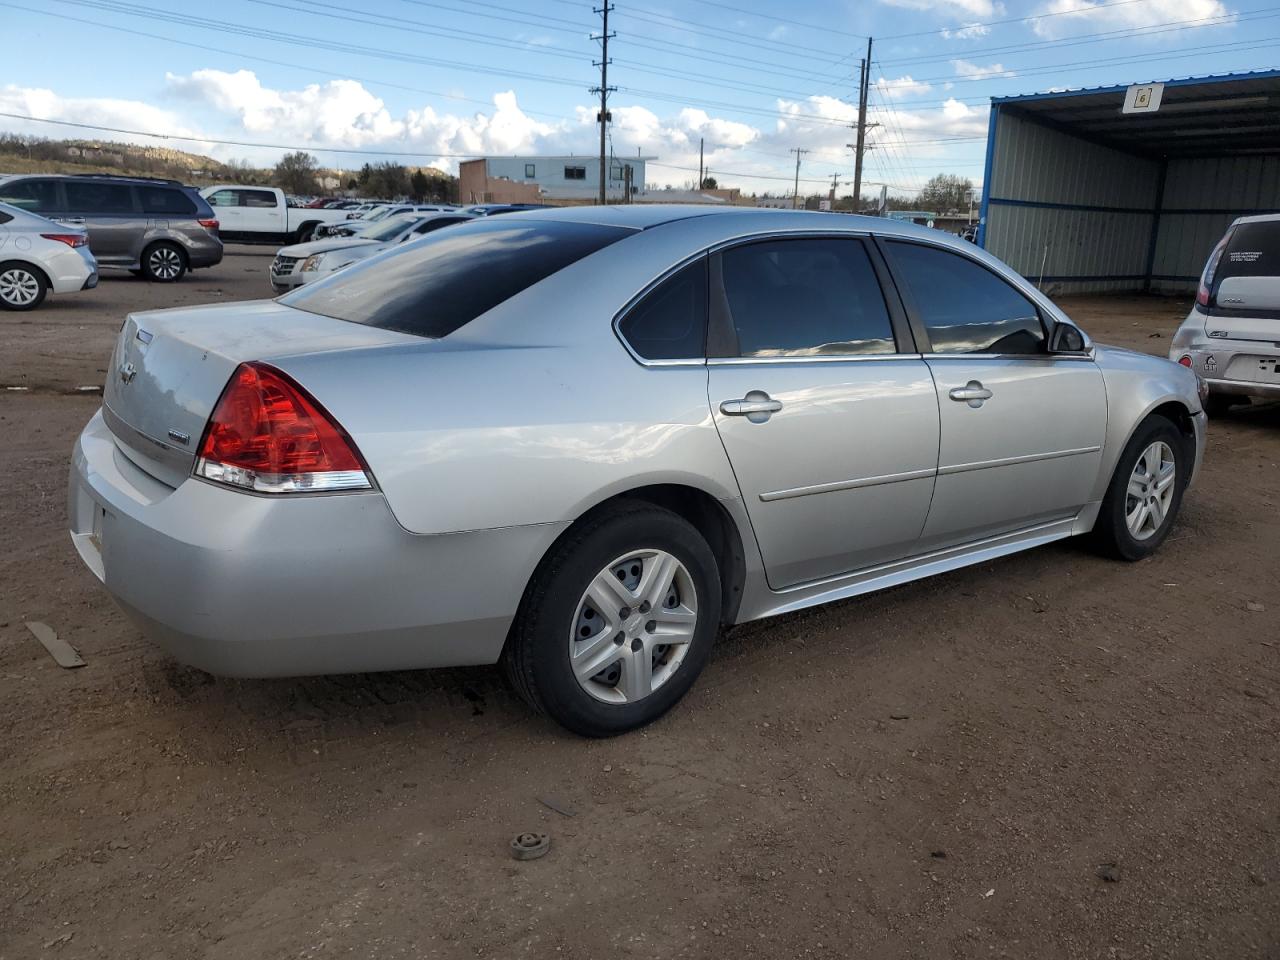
(1096, 200)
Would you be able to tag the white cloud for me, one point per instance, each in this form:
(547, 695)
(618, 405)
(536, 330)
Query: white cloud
(953, 8)
(1072, 16)
(904, 86)
(969, 31)
(965, 68)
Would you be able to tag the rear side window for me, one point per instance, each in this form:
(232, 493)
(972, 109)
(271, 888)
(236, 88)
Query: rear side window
(1253, 250)
(964, 306)
(806, 297)
(447, 279)
(166, 200)
(37, 196)
(94, 197)
(670, 323)
(256, 198)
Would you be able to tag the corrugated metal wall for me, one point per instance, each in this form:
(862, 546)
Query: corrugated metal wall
(1074, 212)
(1201, 198)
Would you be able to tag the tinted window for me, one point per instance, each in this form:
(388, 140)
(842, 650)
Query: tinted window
(36, 195)
(257, 198)
(807, 297)
(5, 217)
(433, 287)
(670, 323)
(93, 197)
(429, 225)
(964, 306)
(1252, 251)
(166, 200)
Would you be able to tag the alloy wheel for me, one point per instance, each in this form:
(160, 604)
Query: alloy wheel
(633, 626)
(1150, 492)
(19, 287)
(165, 263)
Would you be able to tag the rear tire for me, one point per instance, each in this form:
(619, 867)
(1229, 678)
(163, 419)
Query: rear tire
(1145, 494)
(164, 262)
(22, 286)
(601, 672)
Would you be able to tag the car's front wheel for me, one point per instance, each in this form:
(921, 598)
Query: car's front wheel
(164, 262)
(1146, 491)
(618, 621)
(22, 286)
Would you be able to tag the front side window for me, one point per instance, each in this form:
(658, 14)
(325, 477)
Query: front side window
(575, 173)
(166, 200)
(447, 279)
(670, 323)
(222, 198)
(964, 307)
(92, 197)
(37, 196)
(806, 297)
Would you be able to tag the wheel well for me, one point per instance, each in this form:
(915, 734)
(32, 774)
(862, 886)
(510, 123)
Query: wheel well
(1177, 414)
(710, 519)
(182, 251)
(27, 264)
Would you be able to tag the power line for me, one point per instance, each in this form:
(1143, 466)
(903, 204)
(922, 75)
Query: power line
(996, 23)
(795, 23)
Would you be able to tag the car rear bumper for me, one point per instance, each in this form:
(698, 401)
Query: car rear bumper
(257, 586)
(1244, 388)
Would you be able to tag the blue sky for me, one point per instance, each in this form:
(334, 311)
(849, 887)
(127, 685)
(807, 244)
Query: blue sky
(432, 81)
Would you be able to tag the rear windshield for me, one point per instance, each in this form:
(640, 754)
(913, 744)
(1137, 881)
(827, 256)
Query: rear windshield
(1253, 251)
(433, 287)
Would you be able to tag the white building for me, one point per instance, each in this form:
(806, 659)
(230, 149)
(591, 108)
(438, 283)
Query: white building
(554, 178)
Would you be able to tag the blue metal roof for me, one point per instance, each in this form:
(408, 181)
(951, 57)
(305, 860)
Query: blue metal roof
(1121, 88)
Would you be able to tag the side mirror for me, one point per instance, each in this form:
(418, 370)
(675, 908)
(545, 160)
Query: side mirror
(1066, 339)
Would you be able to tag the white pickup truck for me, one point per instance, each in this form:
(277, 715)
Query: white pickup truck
(250, 214)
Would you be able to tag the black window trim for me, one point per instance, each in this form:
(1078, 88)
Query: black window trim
(918, 328)
(717, 308)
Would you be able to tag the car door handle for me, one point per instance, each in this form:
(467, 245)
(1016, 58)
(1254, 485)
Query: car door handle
(972, 393)
(757, 406)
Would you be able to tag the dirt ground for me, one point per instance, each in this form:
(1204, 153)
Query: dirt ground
(939, 770)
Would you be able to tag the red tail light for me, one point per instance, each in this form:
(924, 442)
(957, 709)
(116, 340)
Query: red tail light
(1185, 361)
(268, 435)
(208, 224)
(70, 239)
(1205, 293)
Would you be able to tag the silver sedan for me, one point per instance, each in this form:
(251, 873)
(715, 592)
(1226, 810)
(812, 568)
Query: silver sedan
(582, 441)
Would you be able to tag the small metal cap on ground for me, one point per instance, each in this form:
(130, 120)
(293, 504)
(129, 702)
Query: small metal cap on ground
(530, 846)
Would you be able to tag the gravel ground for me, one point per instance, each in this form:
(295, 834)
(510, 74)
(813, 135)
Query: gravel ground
(945, 769)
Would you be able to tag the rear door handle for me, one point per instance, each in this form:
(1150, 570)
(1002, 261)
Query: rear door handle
(757, 406)
(972, 393)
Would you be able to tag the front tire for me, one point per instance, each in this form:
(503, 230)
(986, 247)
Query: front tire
(617, 622)
(22, 286)
(1145, 494)
(164, 262)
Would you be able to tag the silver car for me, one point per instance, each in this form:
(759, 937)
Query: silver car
(1232, 335)
(581, 441)
(302, 263)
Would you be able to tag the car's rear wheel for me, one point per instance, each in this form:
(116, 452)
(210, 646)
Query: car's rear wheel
(164, 262)
(22, 286)
(1145, 494)
(618, 621)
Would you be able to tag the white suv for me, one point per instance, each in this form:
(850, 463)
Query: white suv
(38, 255)
(1232, 336)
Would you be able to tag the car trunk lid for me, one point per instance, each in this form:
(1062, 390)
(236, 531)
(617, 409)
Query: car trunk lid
(170, 367)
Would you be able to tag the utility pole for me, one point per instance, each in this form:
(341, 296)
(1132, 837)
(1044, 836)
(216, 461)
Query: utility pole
(864, 77)
(835, 182)
(701, 175)
(795, 196)
(604, 90)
